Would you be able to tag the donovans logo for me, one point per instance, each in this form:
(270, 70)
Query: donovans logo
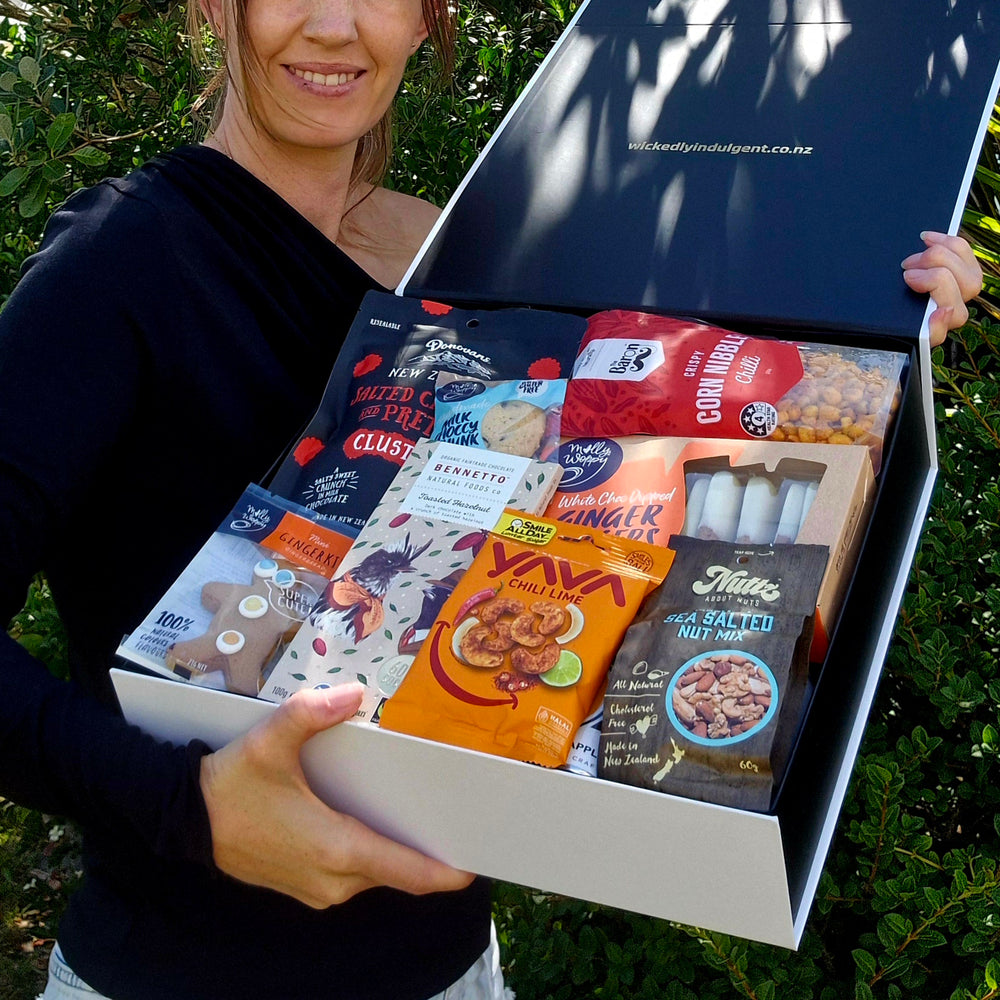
(759, 419)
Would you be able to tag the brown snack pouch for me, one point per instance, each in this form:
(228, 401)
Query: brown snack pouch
(707, 691)
(521, 648)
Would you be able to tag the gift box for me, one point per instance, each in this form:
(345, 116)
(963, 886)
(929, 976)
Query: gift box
(764, 167)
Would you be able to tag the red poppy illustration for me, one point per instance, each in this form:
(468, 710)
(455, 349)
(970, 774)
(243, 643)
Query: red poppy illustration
(544, 368)
(435, 308)
(367, 364)
(307, 449)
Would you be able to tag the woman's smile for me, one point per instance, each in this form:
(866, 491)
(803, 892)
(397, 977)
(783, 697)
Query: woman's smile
(324, 80)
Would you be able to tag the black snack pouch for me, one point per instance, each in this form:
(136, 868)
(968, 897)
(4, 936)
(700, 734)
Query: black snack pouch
(706, 692)
(379, 400)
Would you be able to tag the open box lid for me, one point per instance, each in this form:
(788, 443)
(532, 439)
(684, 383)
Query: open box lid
(614, 181)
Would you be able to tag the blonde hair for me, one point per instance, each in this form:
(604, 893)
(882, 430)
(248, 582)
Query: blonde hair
(239, 66)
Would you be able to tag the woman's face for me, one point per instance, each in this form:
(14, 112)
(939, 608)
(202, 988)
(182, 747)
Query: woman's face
(330, 68)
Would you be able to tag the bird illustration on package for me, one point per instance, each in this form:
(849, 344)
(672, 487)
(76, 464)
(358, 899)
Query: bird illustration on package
(352, 603)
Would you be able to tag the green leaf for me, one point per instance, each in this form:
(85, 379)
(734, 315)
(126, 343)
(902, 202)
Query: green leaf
(12, 180)
(29, 70)
(865, 961)
(363, 679)
(299, 677)
(8, 81)
(6, 128)
(60, 130)
(91, 157)
(993, 973)
(33, 201)
(54, 170)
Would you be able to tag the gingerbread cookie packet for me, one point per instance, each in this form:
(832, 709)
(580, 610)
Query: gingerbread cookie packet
(379, 400)
(707, 690)
(523, 644)
(372, 618)
(243, 596)
(639, 373)
(517, 417)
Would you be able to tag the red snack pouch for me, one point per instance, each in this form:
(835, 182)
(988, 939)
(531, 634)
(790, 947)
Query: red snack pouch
(523, 645)
(639, 373)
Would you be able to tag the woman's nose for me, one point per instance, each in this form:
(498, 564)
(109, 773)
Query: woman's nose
(331, 21)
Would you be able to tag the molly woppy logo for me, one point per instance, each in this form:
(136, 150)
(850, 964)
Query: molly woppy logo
(455, 392)
(588, 462)
(251, 519)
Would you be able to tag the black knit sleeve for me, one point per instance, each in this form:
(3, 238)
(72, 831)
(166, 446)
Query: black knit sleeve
(74, 367)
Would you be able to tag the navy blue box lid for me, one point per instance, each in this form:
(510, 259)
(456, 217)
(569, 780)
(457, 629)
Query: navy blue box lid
(737, 160)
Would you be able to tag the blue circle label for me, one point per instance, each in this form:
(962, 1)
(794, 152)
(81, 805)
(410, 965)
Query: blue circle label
(722, 697)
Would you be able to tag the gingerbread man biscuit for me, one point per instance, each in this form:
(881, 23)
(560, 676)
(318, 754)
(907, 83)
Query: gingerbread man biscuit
(243, 632)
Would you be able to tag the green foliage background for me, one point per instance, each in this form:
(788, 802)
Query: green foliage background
(909, 903)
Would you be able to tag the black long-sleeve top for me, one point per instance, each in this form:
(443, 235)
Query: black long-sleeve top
(165, 344)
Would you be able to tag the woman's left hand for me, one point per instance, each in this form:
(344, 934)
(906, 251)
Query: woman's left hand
(949, 272)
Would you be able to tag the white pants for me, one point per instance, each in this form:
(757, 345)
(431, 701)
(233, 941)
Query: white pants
(483, 981)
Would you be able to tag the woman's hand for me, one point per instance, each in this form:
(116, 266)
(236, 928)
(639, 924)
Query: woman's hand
(269, 829)
(949, 272)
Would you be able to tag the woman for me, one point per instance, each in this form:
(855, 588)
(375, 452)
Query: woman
(164, 345)
(173, 333)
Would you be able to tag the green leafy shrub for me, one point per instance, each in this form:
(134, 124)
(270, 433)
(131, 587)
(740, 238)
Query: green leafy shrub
(909, 902)
(87, 90)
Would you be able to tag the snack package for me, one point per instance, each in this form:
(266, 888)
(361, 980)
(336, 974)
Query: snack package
(523, 645)
(435, 516)
(379, 400)
(650, 488)
(242, 597)
(519, 417)
(639, 373)
(706, 693)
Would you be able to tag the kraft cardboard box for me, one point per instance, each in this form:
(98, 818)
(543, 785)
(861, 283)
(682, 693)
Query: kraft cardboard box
(766, 170)
(650, 488)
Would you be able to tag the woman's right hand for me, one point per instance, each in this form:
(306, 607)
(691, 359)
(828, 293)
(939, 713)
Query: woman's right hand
(269, 829)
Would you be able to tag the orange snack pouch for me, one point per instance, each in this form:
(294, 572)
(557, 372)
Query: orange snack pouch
(514, 661)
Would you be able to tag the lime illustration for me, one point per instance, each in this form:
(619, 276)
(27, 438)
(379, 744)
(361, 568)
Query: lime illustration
(567, 671)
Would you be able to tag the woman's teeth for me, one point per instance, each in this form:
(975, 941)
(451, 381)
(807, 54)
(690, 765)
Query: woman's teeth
(331, 80)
